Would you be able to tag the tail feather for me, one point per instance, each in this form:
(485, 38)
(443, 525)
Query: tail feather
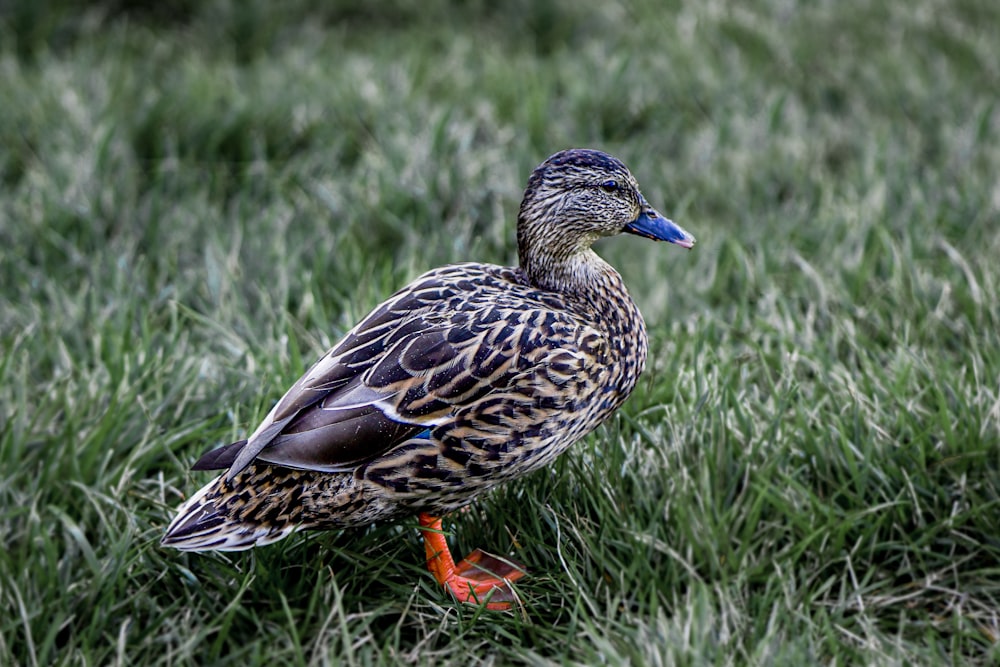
(200, 525)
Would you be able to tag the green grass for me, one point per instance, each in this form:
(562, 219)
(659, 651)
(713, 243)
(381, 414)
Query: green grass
(196, 201)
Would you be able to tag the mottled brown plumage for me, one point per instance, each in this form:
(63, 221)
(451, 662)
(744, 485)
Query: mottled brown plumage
(472, 375)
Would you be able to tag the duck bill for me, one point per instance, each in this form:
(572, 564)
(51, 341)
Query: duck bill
(652, 225)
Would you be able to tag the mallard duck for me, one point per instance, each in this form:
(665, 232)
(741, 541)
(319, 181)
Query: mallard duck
(470, 376)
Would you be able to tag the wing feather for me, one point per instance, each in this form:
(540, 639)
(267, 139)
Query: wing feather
(449, 340)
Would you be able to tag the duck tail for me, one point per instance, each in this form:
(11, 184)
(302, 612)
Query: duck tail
(203, 524)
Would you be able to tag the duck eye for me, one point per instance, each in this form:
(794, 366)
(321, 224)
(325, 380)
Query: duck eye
(609, 186)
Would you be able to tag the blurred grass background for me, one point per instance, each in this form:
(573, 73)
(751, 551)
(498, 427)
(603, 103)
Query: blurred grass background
(197, 198)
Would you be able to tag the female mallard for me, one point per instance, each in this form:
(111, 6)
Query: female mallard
(470, 376)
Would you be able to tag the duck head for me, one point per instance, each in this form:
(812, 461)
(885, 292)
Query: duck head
(578, 196)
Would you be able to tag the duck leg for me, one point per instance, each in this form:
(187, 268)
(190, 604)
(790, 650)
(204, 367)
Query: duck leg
(478, 576)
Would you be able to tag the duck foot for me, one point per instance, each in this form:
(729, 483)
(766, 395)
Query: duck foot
(477, 578)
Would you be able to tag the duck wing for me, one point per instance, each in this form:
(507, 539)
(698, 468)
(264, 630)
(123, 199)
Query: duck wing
(437, 346)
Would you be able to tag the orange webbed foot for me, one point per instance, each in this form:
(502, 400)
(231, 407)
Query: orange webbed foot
(478, 577)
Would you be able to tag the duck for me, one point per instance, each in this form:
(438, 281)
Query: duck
(469, 377)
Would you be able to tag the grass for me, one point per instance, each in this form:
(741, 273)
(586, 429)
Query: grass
(196, 200)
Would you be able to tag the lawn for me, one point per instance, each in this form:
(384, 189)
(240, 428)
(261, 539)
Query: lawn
(198, 198)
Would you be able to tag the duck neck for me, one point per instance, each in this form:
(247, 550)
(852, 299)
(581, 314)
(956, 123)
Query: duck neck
(585, 278)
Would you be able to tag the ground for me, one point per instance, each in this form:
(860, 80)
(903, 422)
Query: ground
(196, 199)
